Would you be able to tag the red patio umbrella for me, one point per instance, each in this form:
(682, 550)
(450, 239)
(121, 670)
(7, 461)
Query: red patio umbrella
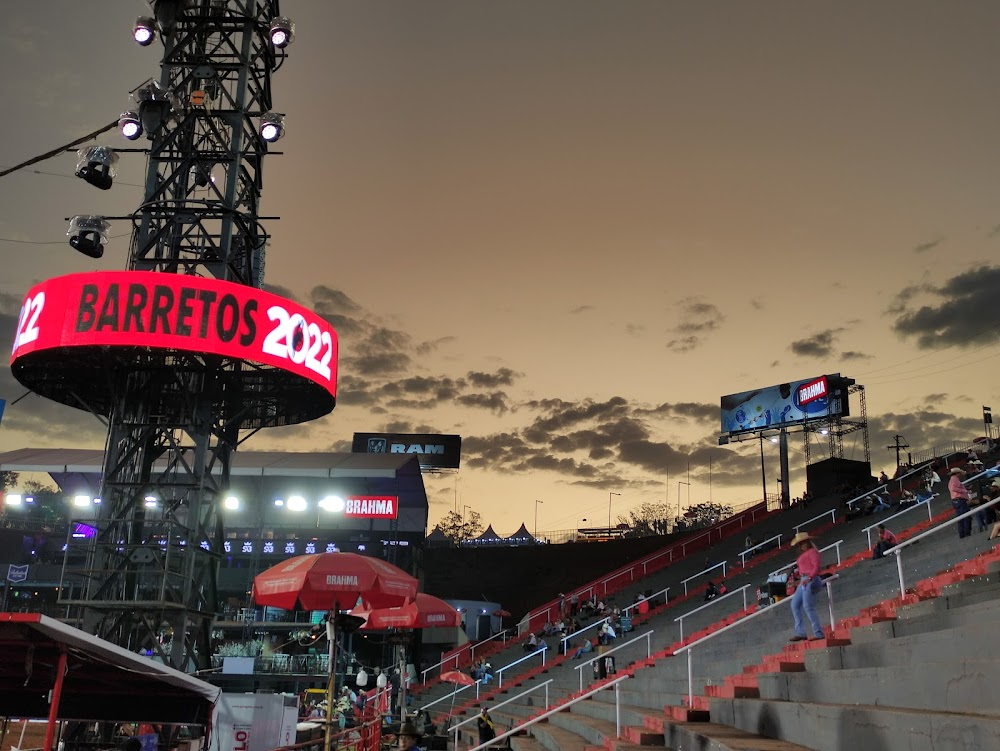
(425, 611)
(329, 581)
(458, 678)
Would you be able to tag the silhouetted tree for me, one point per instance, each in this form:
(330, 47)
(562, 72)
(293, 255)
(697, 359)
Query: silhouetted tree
(456, 529)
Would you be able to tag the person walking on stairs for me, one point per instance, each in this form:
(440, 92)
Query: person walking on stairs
(810, 582)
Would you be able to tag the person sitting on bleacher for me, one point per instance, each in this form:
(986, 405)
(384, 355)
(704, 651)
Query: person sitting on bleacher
(886, 540)
(583, 649)
(711, 591)
(532, 644)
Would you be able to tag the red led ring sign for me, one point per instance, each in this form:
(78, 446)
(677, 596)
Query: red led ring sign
(81, 316)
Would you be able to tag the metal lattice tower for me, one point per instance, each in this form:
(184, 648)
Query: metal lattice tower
(174, 418)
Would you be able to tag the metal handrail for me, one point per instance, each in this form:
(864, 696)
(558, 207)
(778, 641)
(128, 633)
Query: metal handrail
(710, 568)
(914, 471)
(898, 549)
(689, 647)
(758, 545)
(546, 715)
(540, 651)
(566, 638)
(424, 672)
(649, 652)
(467, 720)
(663, 592)
(713, 601)
(930, 515)
(454, 693)
(836, 545)
(832, 513)
(472, 651)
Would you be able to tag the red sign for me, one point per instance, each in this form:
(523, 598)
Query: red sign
(810, 392)
(371, 506)
(185, 313)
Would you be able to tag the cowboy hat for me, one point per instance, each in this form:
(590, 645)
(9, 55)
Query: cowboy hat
(956, 470)
(800, 537)
(408, 728)
(996, 483)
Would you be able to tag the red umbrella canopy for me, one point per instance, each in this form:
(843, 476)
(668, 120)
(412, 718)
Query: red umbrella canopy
(458, 678)
(424, 611)
(318, 582)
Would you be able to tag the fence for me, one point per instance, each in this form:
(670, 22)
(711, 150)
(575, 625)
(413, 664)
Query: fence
(711, 603)
(648, 636)
(710, 568)
(926, 503)
(748, 551)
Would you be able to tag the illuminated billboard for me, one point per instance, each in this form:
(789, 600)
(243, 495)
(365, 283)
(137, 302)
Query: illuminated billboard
(786, 404)
(432, 451)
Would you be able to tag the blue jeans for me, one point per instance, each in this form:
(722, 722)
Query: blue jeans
(961, 506)
(804, 599)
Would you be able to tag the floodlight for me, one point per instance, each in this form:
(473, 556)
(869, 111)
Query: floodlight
(279, 502)
(232, 503)
(130, 125)
(296, 503)
(88, 234)
(144, 31)
(13, 499)
(96, 165)
(150, 501)
(29, 499)
(773, 439)
(332, 503)
(97, 501)
(281, 32)
(272, 126)
(81, 501)
(202, 175)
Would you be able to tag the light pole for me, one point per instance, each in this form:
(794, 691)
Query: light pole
(464, 509)
(609, 509)
(679, 483)
(536, 516)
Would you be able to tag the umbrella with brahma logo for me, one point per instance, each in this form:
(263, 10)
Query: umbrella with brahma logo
(424, 611)
(330, 581)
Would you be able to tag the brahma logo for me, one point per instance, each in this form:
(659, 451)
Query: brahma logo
(376, 445)
(810, 392)
(340, 580)
(437, 618)
(371, 507)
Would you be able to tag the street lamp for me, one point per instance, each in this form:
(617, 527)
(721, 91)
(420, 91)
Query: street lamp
(609, 510)
(536, 517)
(679, 483)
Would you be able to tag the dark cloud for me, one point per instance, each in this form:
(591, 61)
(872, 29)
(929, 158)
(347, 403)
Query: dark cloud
(581, 309)
(696, 318)
(930, 245)
(818, 345)
(277, 289)
(495, 402)
(502, 377)
(425, 348)
(966, 314)
(851, 355)
(686, 344)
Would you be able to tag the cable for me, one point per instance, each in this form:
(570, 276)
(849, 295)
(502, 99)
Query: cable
(60, 150)
(50, 242)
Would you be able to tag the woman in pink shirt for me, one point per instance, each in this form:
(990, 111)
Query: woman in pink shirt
(960, 498)
(804, 599)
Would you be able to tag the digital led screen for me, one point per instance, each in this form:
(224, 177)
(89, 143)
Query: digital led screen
(791, 403)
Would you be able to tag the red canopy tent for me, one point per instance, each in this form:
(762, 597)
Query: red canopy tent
(424, 611)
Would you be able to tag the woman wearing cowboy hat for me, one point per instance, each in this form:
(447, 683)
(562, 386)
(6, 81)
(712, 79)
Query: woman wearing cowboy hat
(409, 737)
(960, 498)
(810, 583)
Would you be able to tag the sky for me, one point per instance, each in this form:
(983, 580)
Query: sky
(565, 229)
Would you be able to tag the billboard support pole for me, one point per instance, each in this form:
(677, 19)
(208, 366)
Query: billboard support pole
(763, 477)
(783, 446)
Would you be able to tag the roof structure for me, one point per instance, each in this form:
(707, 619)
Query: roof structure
(521, 537)
(101, 681)
(489, 537)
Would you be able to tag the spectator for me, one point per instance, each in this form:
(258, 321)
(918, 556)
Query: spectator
(409, 737)
(803, 601)
(711, 591)
(960, 498)
(583, 649)
(886, 540)
(532, 644)
(484, 723)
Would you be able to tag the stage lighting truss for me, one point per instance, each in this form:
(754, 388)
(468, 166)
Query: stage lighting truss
(96, 165)
(272, 126)
(144, 31)
(88, 234)
(281, 32)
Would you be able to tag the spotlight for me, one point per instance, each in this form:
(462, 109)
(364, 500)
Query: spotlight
(130, 125)
(232, 503)
(97, 501)
(96, 165)
(202, 175)
(156, 105)
(88, 234)
(13, 499)
(296, 503)
(144, 31)
(272, 126)
(281, 32)
(149, 501)
(332, 503)
(81, 501)
(279, 502)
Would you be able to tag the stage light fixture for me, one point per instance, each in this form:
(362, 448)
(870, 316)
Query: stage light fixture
(96, 165)
(144, 31)
(232, 503)
(81, 501)
(156, 105)
(296, 503)
(281, 32)
(97, 501)
(130, 125)
(202, 175)
(149, 501)
(332, 503)
(279, 502)
(272, 126)
(13, 499)
(88, 234)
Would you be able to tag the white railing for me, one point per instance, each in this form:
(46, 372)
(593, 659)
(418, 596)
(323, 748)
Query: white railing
(453, 694)
(474, 717)
(590, 660)
(930, 516)
(669, 551)
(748, 551)
(663, 592)
(710, 568)
(898, 549)
(714, 601)
(563, 641)
(690, 647)
(472, 652)
(499, 673)
(423, 673)
(787, 566)
(546, 715)
(832, 513)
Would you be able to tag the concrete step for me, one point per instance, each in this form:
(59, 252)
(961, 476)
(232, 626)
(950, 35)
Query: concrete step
(965, 686)
(555, 738)
(711, 736)
(836, 727)
(646, 699)
(640, 721)
(594, 730)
